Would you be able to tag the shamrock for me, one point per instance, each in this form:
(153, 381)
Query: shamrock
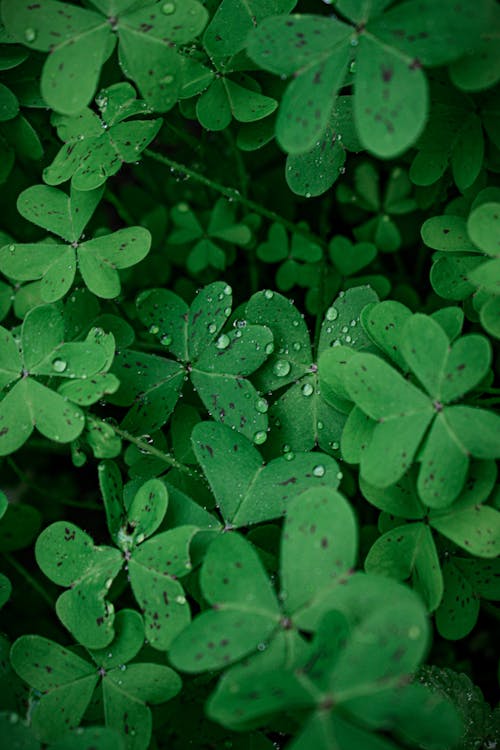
(80, 41)
(96, 146)
(460, 268)
(349, 687)
(393, 418)
(394, 200)
(69, 557)
(298, 257)
(55, 263)
(248, 491)
(412, 545)
(27, 369)
(216, 362)
(64, 683)
(206, 251)
(226, 97)
(303, 416)
(318, 548)
(389, 49)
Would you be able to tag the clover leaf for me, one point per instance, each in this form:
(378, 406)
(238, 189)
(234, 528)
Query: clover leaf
(412, 549)
(297, 257)
(147, 37)
(28, 367)
(303, 416)
(398, 418)
(96, 146)
(318, 549)
(216, 362)
(221, 226)
(227, 97)
(389, 49)
(65, 683)
(69, 557)
(56, 264)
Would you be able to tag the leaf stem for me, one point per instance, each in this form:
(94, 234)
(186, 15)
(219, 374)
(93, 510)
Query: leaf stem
(147, 448)
(120, 209)
(234, 195)
(28, 578)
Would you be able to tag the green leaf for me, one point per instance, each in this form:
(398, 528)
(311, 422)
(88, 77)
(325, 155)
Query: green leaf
(128, 641)
(483, 227)
(476, 430)
(475, 528)
(67, 685)
(407, 552)
(254, 491)
(10, 358)
(126, 715)
(110, 484)
(147, 509)
(341, 326)
(444, 465)
(319, 545)
(16, 424)
(459, 609)
(48, 208)
(165, 314)
(390, 103)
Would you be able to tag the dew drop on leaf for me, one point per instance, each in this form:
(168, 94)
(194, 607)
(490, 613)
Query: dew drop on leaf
(227, 290)
(281, 368)
(297, 346)
(319, 470)
(223, 341)
(168, 8)
(30, 34)
(269, 348)
(331, 313)
(211, 327)
(261, 405)
(165, 339)
(268, 294)
(307, 389)
(260, 437)
(59, 365)
(180, 599)
(154, 329)
(290, 456)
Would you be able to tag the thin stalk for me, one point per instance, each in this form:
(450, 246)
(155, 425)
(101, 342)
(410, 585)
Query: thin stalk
(234, 195)
(120, 209)
(147, 448)
(28, 578)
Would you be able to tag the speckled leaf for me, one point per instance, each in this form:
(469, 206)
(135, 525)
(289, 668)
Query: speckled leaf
(149, 683)
(233, 20)
(341, 325)
(165, 314)
(128, 641)
(99, 258)
(317, 59)
(245, 608)
(319, 545)
(290, 334)
(239, 352)
(88, 392)
(63, 552)
(444, 464)
(208, 312)
(53, 416)
(448, 234)
(151, 384)
(67, 685)
(476, 430)
(147, 510)
(390, 103)
(111, 486)
(48, 19)
(451, 320)
(383, 323)
(256, 492)
(409, 552)
(16, 424)
(459, 609)
(484, 575)
(83, 608)
(450, 276)
(356, 436)
(49, 208)
(227, 399)
(129, 717)
(400, 499)
(475, 528)
(248, 105)
(10, 359)
(314, 172)
(71, 72)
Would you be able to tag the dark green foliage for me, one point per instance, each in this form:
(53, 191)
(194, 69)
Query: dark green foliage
(249, 355)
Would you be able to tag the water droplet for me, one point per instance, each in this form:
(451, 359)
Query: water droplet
(110, 655)
(331, 313)
(167, 79)
(237, 334)
(344, 329)
(13, 718)
(307, 389)
(334, 446)
(180, 599)
(281, 368)
(240, 323)
(122, 667)
(261, 405)
(262, 646)
(348, 339)
(59, 365)
(297, 346)
(260, 437)
(145, 439)
(30, 34)
(289, 456)
(211, 327)
(352, 323)
(165, 339)
(339, 475)
(223, 341)
(12, 248)
(154, 329)
(269, 348)
(354, 42)
(320, 425)
(414, 632)
(182, 207)
(227, 290)
(268, 294)
(168, 8)
(319, 471)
